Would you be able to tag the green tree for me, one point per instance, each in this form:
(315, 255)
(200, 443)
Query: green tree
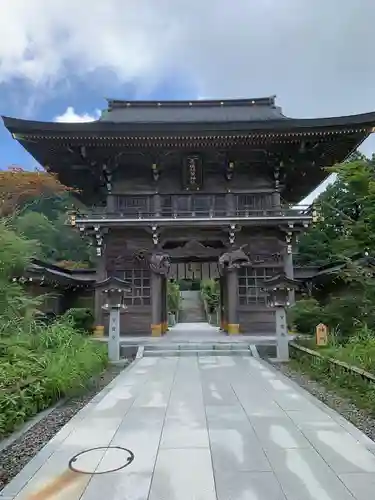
(348, 211)
(15, 251)
(36, 226)
(15, 254)
(36, 204)
(56, 241)
(71, 246)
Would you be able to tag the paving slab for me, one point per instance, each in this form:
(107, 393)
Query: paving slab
(201, 428)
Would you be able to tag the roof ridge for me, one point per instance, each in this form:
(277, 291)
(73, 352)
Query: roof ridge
(124, 103)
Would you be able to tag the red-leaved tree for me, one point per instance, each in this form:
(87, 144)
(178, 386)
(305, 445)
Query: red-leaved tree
(17, 186)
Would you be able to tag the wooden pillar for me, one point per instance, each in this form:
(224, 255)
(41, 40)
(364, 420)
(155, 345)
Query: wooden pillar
(98, 313)
(164, 308)
(223, 304)
(232, 300)
(156, 305)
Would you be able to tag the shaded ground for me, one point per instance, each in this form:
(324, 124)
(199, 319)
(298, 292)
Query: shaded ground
(204, 428)
(14, 457)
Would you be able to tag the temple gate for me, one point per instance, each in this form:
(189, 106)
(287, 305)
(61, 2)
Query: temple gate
(193, 190)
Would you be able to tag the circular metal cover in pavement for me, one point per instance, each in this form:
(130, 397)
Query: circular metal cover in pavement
(101, 460)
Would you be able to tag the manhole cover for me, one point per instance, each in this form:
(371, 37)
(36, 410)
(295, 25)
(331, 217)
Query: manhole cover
(101, 460)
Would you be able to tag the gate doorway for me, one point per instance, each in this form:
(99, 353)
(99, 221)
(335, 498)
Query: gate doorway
(189, 276)
(192, 263)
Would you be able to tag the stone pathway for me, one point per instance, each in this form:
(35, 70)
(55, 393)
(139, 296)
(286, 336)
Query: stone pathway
(196, 331)
(191, 308)
(202, 428)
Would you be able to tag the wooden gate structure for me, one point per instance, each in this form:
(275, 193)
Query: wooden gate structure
(174, 188)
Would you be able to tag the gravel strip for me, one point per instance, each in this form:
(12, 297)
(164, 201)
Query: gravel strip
(360, 418)
(14, 458)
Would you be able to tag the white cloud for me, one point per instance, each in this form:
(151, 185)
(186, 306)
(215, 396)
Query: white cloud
(314, 54)
(70, 116)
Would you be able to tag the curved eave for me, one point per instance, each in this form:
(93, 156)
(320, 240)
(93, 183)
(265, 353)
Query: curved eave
(290, 125)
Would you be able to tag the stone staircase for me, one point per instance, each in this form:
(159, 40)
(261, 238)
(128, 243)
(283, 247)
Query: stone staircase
(192, 310)
(198, 349)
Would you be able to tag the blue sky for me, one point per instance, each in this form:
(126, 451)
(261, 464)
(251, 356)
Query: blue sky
(84, 97)
(61, 58)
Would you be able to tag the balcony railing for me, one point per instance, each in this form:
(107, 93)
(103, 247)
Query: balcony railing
(300, 212)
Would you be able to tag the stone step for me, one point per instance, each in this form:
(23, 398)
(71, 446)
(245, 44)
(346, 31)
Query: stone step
(192, 319)
(200, 352)
(192, 310)
(197, 347)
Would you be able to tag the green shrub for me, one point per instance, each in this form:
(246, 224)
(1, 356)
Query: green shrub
(343, 383)
(210, 291)
(346, 313)
(39, 362)
(195, 285)
(173, 297)
(39, 368)
(15, 251)
(359, 350)
(184, 285)
(305, 315)
(82, 318)
(343, 315)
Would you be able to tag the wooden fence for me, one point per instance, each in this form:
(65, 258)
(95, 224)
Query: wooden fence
(297, 351)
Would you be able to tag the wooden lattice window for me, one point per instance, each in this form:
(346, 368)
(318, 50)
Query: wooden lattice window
(140, 279)
(250, 282)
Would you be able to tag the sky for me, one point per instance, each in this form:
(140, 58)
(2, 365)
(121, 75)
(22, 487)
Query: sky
(60, 59)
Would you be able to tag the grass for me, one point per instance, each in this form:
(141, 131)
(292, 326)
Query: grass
(359, 351)
(38, 368)
(352, 388)
(39, 363)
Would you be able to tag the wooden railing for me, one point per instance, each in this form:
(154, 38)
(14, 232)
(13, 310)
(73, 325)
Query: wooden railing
(202, 204)
(297, 351)
(212, 213)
